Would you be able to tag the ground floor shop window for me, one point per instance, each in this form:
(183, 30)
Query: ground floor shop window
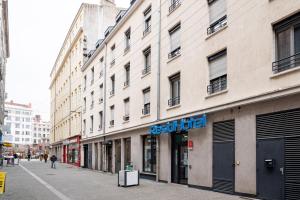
(73, 152)
(149, 154)
(127, 143)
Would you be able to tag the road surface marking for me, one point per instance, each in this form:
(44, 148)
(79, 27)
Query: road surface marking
(50, 187)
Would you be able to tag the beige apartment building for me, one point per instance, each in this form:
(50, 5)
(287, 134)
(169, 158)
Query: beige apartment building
(88, 26)
(202, 93)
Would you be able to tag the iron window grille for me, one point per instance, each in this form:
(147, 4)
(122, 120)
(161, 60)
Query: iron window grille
(146, 70)
(217, 85)
(147, 30)
(146, 109)
(174, 53)
(174, 101)
(214, 27)
(174, 4)
(286, 63)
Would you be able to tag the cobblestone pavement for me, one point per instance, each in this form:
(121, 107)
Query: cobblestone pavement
(35, 180)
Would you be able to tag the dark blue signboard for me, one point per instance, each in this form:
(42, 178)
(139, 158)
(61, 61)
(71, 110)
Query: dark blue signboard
(179, 125)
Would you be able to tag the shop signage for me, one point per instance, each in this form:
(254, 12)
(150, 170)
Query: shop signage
(179, 125)
(190, 145)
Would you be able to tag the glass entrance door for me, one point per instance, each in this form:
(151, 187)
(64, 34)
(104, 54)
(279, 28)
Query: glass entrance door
(180, 158)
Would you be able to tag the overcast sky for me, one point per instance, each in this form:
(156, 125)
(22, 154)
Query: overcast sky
(37, 29)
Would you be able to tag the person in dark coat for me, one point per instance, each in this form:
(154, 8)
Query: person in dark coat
(53, 160)
(45, 157)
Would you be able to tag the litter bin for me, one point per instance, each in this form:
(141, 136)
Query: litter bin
(128, 177)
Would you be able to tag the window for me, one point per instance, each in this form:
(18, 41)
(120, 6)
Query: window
(147, 58)
(174, 5)
(217, 72)
(84, 104)
(84, 127)
(84, 83)
(17, 132)
(127, 74)
(17, 125)
(18, 112)
(127, 151)
(27, 133)
(112, 80)
(92, 99)
(126, 109)
(149, 154)
(100, 120)
(101, 67)
(112, 116)
(101, 94)
(112, 54)
(8, 118)
(174, 90)
(92, 75)
(127, 40)
(28, 126)
(175, 46)
(92, 124)
(146, 106)
(27, 139)
(217, 15)
(17, 118)
(17, 139)
(147, 15)
(287, 44)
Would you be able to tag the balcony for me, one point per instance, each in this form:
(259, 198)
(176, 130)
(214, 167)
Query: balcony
(286, 63)
(174, 53)
(222, 22)
(100, 100)
(126, 83)
(147, 30)
(126, 118)
(217, 85)
(146, 70)
(146, 109)
(112, 123)
(175, 4)
(174, 101)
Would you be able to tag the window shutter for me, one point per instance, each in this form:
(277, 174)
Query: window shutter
(175, 38)
(127, 107)
(218, 67)
(283, 44)
(217, 9)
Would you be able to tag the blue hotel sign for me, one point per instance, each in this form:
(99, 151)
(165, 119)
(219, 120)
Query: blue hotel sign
(179, 125)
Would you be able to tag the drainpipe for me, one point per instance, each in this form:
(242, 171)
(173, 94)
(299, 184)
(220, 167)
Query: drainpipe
(158, 90)
(104, 91)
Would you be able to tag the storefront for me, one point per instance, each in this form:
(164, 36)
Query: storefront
(71, 151)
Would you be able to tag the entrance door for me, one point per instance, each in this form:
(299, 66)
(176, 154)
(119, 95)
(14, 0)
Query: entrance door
(90, 156)
(109, 157)
(180, 158)
(85, 155)
(117, 156)
(127, 152)
(270, 168)
(223, 156)
(96, 156)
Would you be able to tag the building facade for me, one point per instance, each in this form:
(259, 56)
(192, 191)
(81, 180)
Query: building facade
(4, 54)
(202, 93)
(40, 134)
(87, 27)
(18, 124)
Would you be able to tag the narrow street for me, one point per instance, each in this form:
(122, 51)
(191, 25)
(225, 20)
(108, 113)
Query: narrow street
(37, 181)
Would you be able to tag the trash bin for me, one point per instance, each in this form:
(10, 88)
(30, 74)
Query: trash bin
(128, 177)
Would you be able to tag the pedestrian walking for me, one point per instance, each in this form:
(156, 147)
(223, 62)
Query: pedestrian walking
(45, 157)
(41, 157)
(53, 160)
(16, 158)
(28, 157)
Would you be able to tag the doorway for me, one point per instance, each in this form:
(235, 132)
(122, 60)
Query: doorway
(117, 156)
(85, 155)
(127, 152)
(179, 158)
(109, 157)
(96, 156)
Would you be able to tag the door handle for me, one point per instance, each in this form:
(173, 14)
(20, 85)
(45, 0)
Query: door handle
(281, 170)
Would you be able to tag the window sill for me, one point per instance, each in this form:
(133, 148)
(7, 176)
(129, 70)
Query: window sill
(145, 34)
(144, 116)
(285, 72)
(175, 57)
(112, 95)
(170, 12)
(144, 75)
(216, 94)
(174, 107)
(111, 126)
(215, 33)
(126, 86)
(126, 122)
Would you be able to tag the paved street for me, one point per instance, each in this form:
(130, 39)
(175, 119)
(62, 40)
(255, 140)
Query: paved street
(37, 181)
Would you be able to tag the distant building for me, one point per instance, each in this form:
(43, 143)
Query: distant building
(18, 123)
(40, 132)
(4, 54)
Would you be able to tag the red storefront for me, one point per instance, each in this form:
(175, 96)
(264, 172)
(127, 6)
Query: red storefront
(71, 150)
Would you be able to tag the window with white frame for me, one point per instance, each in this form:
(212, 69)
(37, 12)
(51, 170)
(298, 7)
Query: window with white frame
(217, 15)
(92, 99)
(112, 81)
(84, 83)
(147, 61)
(84, 127)
(127, 39)
(112, 54)
(174, 4)
(127, 74)
(147, 21)
(101, 94)
(84, 104)
(100, 120)
(174, 90)
(92, 75)
(101, 67)
(146, 106)
(112, 116)
(175, 45)
(92, 124)
(126, 109)
(217, 72)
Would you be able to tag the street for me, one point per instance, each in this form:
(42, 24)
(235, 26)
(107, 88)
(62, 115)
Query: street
(35, 180)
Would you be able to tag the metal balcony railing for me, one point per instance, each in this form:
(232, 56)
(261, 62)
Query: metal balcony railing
(174, 5)
(112, 122)
(217, 85)
(126, 83)
(147, 30)
(146, 70)
(174, 53)
(174, 101)
(286, 63)
(217, 25)
(112, 93)
(126, 118)
(146, 109)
